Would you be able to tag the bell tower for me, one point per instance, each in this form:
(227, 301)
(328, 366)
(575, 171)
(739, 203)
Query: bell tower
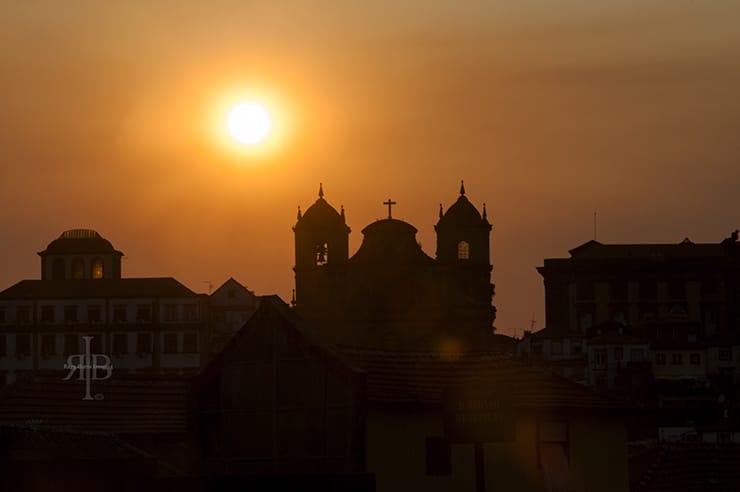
(463, 253)
(321, 254)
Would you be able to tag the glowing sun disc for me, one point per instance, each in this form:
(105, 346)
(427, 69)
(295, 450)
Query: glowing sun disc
(248, 123)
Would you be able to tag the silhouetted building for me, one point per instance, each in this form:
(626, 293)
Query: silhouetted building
(390, 292)
(634, 283)
(153, 325)
(230, 306)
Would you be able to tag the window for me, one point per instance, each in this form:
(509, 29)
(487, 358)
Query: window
(676, 289)
(677, 359)
(557, 347)
(695, 359)
(3, 346)
(48, 345)
(190, 343)
(191, 312)
(120, 343)
(463, 250)
(144, 313)
(170, 312)
(119, 313)
(58, 270)
(618, 353)
(70, 314)
(585, 290)
(648, 290)
(321, 250)
(95, 345)
(725, 354)
(47, 314)
(78, 269)
(660, 359)
(619, 290)
(23, 315)
(553, 448)
(22, 345)
(170, 343)
(636, 355)
(71, 344)
(143, 343)
(97, 268)
(438, 456)
(600, 357)
(94, 314)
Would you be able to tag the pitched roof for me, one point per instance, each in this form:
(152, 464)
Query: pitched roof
(130, 405)
(422, 377)
(27, 442)
(97, 288)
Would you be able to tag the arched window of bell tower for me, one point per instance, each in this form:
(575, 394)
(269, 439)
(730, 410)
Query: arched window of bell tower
(58, 269)
(322, 253)
(97, 268)
(463, 250)
(78, 269)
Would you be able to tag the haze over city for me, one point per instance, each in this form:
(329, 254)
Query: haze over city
(114, 118)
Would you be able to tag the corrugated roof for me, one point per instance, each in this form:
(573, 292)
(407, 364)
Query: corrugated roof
(97, 288)
(130, 405)
(422, 377)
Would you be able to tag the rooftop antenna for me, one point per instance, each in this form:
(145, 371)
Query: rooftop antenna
(532, 323)
(210, 285)
(594, 225)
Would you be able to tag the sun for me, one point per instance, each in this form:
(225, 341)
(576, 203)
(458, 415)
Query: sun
(249, 123)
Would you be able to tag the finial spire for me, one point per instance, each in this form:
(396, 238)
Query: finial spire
(292, 300)
(462, 187)
(343, 217)
(440, 211)
(299, 213)
(321, 190)
(485, 214)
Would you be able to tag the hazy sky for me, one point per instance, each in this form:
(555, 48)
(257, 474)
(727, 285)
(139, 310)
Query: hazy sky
(549, 110)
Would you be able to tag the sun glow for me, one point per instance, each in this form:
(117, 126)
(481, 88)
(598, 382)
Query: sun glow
(249, 123)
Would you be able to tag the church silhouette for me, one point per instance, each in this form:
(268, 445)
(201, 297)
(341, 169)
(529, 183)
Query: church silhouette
(390, 293)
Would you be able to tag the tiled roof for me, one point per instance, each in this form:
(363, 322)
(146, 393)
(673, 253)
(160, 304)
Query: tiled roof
(693, 468)
(129, 405)
(27, 442)
(422, 377)
(98, 288)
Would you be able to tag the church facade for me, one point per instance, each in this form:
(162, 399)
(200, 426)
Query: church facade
(390, 292)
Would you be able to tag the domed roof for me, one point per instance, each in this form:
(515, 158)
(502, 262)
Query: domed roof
(80, 241)
(320, 213)
(390, 241)
(462, 212)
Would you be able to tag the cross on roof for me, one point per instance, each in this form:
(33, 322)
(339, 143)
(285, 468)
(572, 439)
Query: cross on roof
(390, 203)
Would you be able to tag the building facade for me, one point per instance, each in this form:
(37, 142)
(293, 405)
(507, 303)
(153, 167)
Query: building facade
(150, 325)
(390, 291)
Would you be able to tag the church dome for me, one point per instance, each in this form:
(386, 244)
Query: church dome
(80, 241)
(462, 212)
(390, 241)
(320, 213)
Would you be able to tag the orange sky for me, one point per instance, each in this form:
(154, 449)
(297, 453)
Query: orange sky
(549, 110)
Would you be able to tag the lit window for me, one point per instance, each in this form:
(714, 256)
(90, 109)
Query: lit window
(463, 250)
(322, 253)
(97, 268)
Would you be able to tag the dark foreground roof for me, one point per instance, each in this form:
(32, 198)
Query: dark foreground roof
(97, 288)
(692, 468)
(129, 405)
(422, 377)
